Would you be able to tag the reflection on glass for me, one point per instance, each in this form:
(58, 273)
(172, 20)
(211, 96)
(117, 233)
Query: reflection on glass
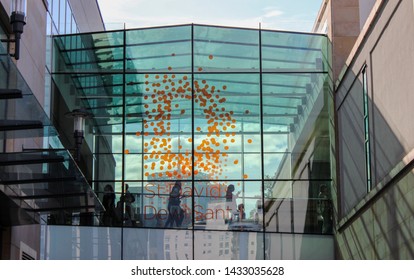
(227, 206)
(298, 206)
(83, 243)
(299, 247)
(163, 205)
(195, 104)
(225, 49)
(155, 244)
(228, 245)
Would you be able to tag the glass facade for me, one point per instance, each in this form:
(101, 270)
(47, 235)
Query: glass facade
(34, 179)
(238, 117)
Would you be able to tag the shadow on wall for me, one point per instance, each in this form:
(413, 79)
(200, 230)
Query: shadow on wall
(369, 156)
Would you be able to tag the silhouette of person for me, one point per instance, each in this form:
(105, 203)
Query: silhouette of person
(128, 199)
(231, 205)
(242, 214)
(108, 202)
(324, 210)
(175, 213)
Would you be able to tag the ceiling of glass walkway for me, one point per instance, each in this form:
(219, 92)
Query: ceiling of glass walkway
(237, 68)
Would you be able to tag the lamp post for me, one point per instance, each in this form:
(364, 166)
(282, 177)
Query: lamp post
(17, 21)
(79, 116)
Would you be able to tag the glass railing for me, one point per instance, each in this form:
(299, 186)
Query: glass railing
(103, 243)
(301, 208)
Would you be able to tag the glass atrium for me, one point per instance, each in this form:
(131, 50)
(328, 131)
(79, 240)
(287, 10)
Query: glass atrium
(207, 107)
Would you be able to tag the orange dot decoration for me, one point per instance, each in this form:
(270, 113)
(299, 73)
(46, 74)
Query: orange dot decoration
(163, 155)
(249, 141)
(126, 151)
(210, 56)
(245, 176)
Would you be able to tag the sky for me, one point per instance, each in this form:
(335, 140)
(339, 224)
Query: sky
(293, 15)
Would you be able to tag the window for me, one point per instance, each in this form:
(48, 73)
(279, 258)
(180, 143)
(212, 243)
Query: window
(366, 129)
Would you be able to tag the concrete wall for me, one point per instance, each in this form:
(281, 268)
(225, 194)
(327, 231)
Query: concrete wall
(378, 224)
(87, 15)
(340, 20)
(365, 8)
(350, 116)
(33, 44)
(31, 65)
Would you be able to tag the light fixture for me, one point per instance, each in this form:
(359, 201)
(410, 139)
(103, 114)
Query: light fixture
(17, 21)
(79, 116)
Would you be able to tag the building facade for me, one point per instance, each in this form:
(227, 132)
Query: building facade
(374, 59)
(285, 145)
(34, 163)
(208, 107)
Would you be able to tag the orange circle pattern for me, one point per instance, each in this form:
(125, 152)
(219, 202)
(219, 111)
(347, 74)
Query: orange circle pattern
(210, 152)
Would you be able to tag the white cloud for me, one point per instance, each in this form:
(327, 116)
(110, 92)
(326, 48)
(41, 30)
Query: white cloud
(236, 13)
(272, 13)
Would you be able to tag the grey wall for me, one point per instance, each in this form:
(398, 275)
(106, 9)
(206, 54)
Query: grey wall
(351, 153)
(87, 15)
(365, 7)
(376, 225)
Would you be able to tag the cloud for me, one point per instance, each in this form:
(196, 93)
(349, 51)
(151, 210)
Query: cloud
(241, 13)
(272, 13)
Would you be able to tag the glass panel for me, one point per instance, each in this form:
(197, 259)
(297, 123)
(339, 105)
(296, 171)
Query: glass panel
(73, 25)
(225, 49)
(55, 12)
(299, 247)
(3, 36)
(293, 52)
(133, 167)
(277, 166)
(159, 114)
(82, 243)
(106, 143)
(279, 216)
(227, 206)
(62, 16)
(165, 206)
(44, 180)
(228, 245)
(68, 21)
(108, 166)
(299, 206)
(133, 144)
(165, 107)
(226, 125)
(92, 52)
(159, 49)
(49, 41)
(155, 244)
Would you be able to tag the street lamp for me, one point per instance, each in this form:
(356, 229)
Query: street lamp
(17, 21)
(79, 116)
